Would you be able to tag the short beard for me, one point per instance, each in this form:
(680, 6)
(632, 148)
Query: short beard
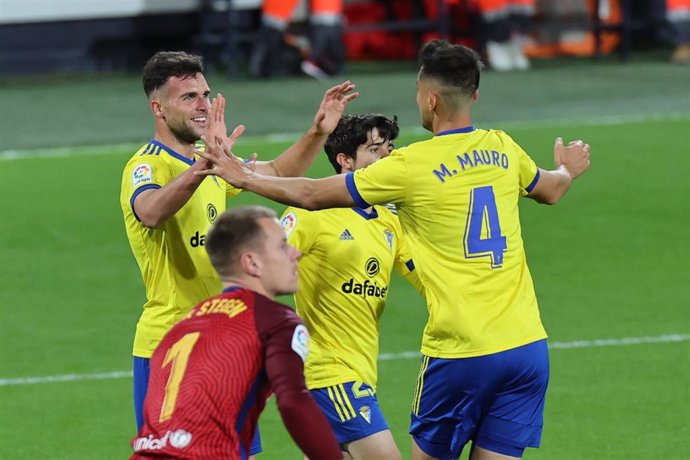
(185, 134)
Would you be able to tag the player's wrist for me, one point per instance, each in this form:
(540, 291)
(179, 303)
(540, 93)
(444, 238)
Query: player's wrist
(246, 180)
(314, 131)
(564, 169)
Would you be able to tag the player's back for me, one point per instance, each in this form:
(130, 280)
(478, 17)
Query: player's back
(457, 197)
(207, 385)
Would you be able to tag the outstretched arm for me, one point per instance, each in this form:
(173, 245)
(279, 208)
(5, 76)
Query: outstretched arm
(155, 206)
(329, 192)
(571, 162)
(296, 160)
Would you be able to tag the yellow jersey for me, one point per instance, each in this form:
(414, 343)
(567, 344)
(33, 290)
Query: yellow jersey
(175, 268)
(344, 276)
(457, 199)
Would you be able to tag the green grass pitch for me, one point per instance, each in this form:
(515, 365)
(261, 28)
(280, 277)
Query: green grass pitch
(611, 261)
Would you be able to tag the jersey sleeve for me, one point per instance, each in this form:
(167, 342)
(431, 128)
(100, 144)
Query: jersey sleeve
(142, 173)
(301, 228)
(385, 181)
(404, 264)
(286, 348)
(529, 172)
(231, 191)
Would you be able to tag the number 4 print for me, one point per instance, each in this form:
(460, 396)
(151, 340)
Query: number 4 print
(482, 220)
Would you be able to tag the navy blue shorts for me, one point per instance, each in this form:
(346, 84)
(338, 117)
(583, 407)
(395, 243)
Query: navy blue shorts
(352, 410)
(496, 401)
(140, 373)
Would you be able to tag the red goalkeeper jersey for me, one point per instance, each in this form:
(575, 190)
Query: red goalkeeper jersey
(212, 373)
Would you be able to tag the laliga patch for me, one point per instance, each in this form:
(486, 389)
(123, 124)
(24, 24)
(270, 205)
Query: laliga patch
(300, 341)
(289, 222)
(142, 173)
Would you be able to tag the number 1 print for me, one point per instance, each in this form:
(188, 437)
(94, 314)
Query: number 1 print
(179, 355)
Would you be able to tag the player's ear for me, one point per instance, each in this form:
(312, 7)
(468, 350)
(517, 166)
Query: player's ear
(346, 162)
(432, 100)
(156, 107)
(249, 264)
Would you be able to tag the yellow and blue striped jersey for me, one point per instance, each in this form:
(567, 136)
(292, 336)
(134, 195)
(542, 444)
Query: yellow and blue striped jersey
(344, 275)
(176, 270)
(457, 198)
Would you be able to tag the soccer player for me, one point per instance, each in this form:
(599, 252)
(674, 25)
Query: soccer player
(485, 360)
(214, 370)
(347, 258)
(167, 208)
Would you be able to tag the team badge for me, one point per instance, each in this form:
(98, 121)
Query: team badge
(289, 221)
(300, 341)
(365, 412)
(142, 173)
(389, 238)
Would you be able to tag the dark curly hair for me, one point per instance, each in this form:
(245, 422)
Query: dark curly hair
(353, 130)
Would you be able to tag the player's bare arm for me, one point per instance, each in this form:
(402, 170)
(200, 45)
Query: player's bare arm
(570, 161)
(153, 207)
(312, 194)
(296, 160)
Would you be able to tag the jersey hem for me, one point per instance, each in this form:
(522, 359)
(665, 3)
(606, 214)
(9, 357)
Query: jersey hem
(331, 382)
(474, 353)
(142, 353)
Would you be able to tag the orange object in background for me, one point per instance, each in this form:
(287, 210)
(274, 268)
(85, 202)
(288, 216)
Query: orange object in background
(676, 5)
(582, 43)
(279, 9)
(488, 7)
(282, 10)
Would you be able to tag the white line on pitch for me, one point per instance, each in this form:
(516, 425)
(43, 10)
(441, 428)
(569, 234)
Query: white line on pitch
(603, 120)
(383, 357)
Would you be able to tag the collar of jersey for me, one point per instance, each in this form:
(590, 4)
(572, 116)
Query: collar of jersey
(362, 212)
(466, 129)
(232, 288)
(173, 153)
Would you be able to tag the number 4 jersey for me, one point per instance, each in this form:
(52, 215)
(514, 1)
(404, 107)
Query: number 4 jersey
(457, 198)
(212, 373)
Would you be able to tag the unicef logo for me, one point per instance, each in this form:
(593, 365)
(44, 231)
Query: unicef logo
(211, 212)
(372, 267)
(180, 439)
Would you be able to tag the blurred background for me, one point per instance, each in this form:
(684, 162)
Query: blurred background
(611, 263)
(49, 36)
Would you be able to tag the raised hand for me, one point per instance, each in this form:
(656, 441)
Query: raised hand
(574, 157)
(216, 123)
(225, 164)
(216, 118)
(332, 107)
